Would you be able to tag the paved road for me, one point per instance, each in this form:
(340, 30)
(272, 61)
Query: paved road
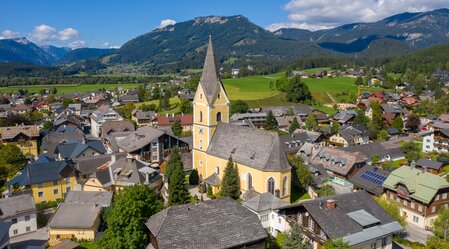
(417, 234)
(38, 238)
(395, 142)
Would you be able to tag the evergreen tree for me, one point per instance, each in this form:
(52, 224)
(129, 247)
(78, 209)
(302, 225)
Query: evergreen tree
(164, 102)
(335, 127)
(361, 118)
(359, 81)
(173, 161)
(294, 125)
(128, 213)
(294, 239)
(377, 120)
(230, 184)
(186, 106)
(194, 178)
(311, 122)
(176, 128)
(178, 192)
(271, 123)
(398, 123)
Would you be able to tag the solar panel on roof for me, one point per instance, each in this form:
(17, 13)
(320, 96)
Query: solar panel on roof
(374, 177)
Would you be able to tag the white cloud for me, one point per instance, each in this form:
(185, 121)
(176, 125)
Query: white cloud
(108, 45)
(44, 33)
(68, 34)
(166, 22)
(319, 14)
(8, 34)
(77, 44)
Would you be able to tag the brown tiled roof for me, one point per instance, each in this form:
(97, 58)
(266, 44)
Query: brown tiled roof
(11, 132)
(186, 119)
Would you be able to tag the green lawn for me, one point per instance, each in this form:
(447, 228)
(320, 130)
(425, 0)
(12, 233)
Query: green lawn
(174, 105)
(298, 195)
(87, 246)
(68, 88)
(317, 70)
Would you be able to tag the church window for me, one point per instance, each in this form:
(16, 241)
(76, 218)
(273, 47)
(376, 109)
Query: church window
(219, 117)
(217, 170)
(270, 185)
(201, 116)
(249, 181)
(284, 186)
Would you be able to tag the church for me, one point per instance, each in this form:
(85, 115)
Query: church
(261, 161)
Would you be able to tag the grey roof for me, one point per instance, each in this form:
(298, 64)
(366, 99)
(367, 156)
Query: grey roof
(114, 137)
(376, 148)
(264, 202)
(423, 162)
(336, 223)
(363, 218)
(73, 149)
(209, 80)
(4, 231)
(373, 233)
(88, 165)
(139, 138)
(252, 147)
(214, 224)
(213, 180)
(52, 140)
(16, 206)
(128, 171)
(116, 126)
(369, 186)
(42, 172)
(74, 215)
(332, 157)
(65, 244)
(98, 198)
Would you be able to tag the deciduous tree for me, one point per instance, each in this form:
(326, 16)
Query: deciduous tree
(294, 239)
(311, 122)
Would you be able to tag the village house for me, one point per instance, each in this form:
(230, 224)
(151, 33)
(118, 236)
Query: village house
(419, 194)
(143, 117)
(109, 127)
(293, 142)
(370, 179)
(350, 136)
(186, 120)
(254, 120)
(265, 206)
(78, 149)
(24, 136)
(21, 212)
(215, 141)
(49, 180)
(356, 218)
(71, 220)
(193, 221)
(433, 167)
(101, 115)
(437, 141)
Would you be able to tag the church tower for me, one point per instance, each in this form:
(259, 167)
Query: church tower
(210, 106)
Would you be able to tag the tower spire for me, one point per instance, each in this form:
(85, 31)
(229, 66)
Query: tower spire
(209, 78)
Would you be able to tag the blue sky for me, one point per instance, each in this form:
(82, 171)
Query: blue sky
(101, 23)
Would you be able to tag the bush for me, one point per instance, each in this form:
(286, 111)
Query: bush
(194, 178)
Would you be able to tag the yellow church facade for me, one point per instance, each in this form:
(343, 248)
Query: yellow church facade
(262, 164)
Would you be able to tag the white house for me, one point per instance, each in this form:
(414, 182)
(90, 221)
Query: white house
(265, 206)
(21, 212)
(101, 115)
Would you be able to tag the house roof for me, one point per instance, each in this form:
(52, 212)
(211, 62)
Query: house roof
(423, 162)
(65, 244)
(264, 202)
(116, 126)
(31, 131)
(128, 171)
(219, 223)
(139, 138)
(52, 140)
(252, 147)
(75, 216)
(16, 206)
(42, 172)
(422, 186)
(167, 120)
(371, 182)
(102, 198)
(213, 180)
(345, 220)
(337, 160)
(375, 149)
(88, 165)
(73, 149)
(4, 230)
(209, 81)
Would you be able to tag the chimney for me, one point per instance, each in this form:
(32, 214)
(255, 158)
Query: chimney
(330, 204)
(113, 158)
(147, 178)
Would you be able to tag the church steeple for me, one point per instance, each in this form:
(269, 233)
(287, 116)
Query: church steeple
(209, 79)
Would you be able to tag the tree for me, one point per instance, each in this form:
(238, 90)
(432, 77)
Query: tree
(441, 225)
(374, 159)
(377, 122)
(358, 81)
(238, 106)
(148, 107)
(326, 190)
(336, 244)
(297, 91)
(194, 178)
(361, 119)
(413, 122)
(398, 123)
(271, 123)
(192, 83)
(54, 90)
(335, 127)
(174, 160)
(382, 135)
(392, 208)
(67, 102)
(50, 99)
(125, 111)
(230, 184)
(178, 192)
(126, 217)
(164, 102)
(411, 150)
(301, 175)
(186, 106)
(311, 122)
(294, 239)
(176, 128)
(142, 94)
(294, 125)
(47, 126)
(434, 242)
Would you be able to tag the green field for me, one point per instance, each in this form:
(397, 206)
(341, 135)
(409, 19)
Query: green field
(68, 88)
